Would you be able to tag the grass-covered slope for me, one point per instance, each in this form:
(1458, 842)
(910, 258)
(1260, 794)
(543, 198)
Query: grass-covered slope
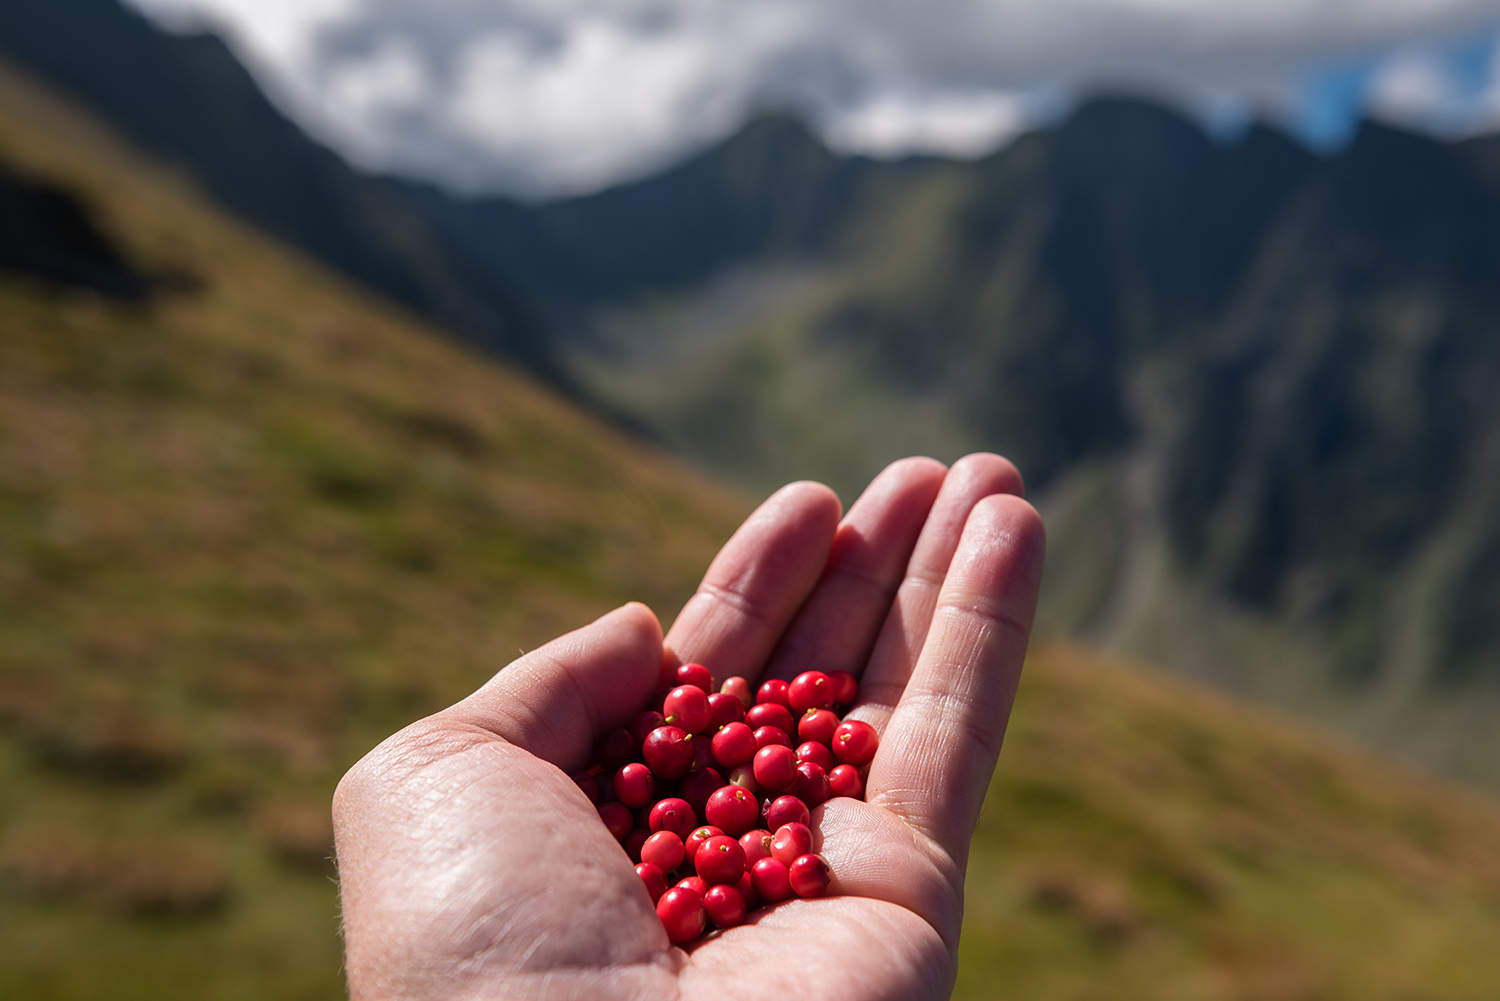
(247, 529)
(252, 525)
(1147, 841)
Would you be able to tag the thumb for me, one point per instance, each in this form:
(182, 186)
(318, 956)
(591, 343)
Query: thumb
(556, 701)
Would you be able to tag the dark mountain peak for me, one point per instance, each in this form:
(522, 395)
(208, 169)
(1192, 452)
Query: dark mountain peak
(1112, 119)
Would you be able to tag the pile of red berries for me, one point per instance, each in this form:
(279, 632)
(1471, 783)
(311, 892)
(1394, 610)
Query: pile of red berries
(730, 762)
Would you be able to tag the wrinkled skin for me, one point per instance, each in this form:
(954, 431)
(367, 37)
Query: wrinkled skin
(472, 867)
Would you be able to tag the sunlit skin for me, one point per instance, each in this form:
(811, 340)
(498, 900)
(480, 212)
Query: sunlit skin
(472, 866)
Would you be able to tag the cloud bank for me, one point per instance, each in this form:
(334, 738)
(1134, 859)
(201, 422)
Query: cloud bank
(550, 97)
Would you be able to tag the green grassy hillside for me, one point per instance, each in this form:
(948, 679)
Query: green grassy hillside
(246, 531)
(252, 526)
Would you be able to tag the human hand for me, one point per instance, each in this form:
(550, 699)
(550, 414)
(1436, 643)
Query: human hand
(472, 867)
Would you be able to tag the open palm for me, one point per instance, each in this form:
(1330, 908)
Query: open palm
(472, 867)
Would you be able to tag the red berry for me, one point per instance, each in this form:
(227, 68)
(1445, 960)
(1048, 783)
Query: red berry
(786, 810)
(844, 780)
(769, 714)
(703, 752)
(855, 742)
(771, 881)
(698, 786)
(768, 735)
(686, 706)
(722, 709)
(694, 884)
(746, 886)
(694, 841)
(791, 842)
(845, 687)
(664, 850)
(775, 767)
(720, 860)
(673, 814)
(818, 725)
(732, 809)
(744, 777)
(734, 745)
(654, 878)
(740, 689)
(809, 876)
(586, 785)
(682, 915)
(697, 675)
(817, 753)
(617, 819)
(757, 845)
(616, 748)
(635, 842)
(810, 690)
(668, 752)
(645, 723)
(811, 784)
(634, 784)
(773, 691)
(725, 905)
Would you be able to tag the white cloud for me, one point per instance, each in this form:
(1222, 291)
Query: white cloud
(1413, 89)
(556, 96)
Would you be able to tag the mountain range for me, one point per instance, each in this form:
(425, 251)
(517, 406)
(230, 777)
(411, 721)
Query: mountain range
(252, 523)
(1249, 385)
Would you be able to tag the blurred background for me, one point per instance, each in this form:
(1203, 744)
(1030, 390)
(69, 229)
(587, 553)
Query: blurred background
(349, 346)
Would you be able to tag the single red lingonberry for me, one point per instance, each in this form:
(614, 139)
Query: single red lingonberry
(855, 742)
(769, 714)
(791, 842)
(664, 849)
(695, 674)
(844, 780)
(682, 914)
(768, 735)
(809, 876)
(645, 723)
(733, 745)
(668, 752)
(740, 689)
(634, 784)
(725, 905)
(744, 777)
(720, 859)
(817, 753)
(817, 725)
(845, 687)
(694, 883)
(686, 706)
(694, 841)
(771, 881)
(757, 845)
(616, 748)
(810, 690)
(811, 784)
(746, 886)
(773, 691)
(698, 786)
(654, 878)
(703, 753)
(617, 819)
(733, 809)
(672, 814)
(775, 767)
(634, 842)
(723, 708)
(786, 810)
